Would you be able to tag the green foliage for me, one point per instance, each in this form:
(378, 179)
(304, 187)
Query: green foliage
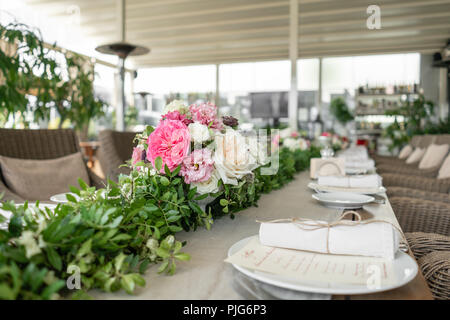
(417, 115)
(339, 109)
(30, 67)
(114, 234)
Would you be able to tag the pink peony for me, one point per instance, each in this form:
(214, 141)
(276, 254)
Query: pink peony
(176, 115)
(138, 155)
(206, 113)
(294, 134)
(171, 142)
(198, 166)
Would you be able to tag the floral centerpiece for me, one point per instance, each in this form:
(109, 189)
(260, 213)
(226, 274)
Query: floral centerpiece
(205, 150)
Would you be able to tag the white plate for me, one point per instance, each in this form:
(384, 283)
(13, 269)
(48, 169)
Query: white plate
(404, 266)
(61, 197)
(318, 188)
(344, 200)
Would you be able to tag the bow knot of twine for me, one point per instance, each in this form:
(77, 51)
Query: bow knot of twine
(311, 225)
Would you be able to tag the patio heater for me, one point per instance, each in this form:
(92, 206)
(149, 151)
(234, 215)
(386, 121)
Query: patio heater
(122, 50)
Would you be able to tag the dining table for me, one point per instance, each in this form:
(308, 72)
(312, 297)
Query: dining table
(207, 276)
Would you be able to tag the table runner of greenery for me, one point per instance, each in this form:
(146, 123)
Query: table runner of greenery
(113, 235)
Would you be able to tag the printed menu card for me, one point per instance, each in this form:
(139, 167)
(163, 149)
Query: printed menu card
(310, 266)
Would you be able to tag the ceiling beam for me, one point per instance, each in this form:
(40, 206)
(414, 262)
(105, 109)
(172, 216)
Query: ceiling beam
(440, 37)
(384, 33)
(284, 56)
(209, 10)
(137, 36)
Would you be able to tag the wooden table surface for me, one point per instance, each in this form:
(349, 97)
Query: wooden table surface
(207, 276)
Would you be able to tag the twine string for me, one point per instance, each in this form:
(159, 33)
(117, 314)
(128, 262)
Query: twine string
(312, 225)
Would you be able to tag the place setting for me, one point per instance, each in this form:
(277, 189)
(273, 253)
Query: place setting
(316, 257)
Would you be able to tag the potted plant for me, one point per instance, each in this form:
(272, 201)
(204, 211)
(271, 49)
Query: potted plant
(28, 69)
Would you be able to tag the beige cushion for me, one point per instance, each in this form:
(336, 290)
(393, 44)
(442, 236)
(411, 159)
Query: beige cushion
(434, 156)
(40, 179)
(406, 151)
(444, 171)
(416, 155)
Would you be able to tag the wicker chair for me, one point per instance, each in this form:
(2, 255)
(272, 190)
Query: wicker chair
(418, 194)
(433, 254)
(415, 142)
(418, 215)
(115, 149)
(413, 169)
(416, 182)
(39, 144)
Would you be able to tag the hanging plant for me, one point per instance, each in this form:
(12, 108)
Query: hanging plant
(340, 111)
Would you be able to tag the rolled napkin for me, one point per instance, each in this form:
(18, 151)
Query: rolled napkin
(356, 181)
(372, 238)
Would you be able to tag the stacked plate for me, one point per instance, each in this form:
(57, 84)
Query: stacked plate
(343, 200)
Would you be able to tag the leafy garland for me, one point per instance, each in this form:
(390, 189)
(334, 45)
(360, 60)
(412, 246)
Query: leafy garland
(113, 235)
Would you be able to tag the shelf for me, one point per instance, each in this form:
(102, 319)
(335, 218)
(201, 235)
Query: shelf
(368, 131)
(384, 95)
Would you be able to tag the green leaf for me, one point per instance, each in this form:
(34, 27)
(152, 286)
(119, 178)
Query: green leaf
(164, 181)
(173, 218)
(127, 283)
(85, 248)
(138, 279)
(151, 207)
(71, 198)
(54, 258)
(182, 256)
(166, 170)
(162, 253)
(143, 266)
(223, 202)
(118, 261)
(176, 171)
(53, 288)
(158, 164)
(15, 225)
(201, 197)
(82, 184)
(74, 190)
(175, 228)
(163, 266)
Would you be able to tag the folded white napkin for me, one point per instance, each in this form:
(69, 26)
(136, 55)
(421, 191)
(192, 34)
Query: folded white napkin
(356, 152)
(378, 239)
(360, 164)
(356, 181)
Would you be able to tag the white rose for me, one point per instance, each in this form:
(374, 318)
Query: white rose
(199, 132)
(176, 105)
(303, 144)
(232, 157)
(291, 143)
(209, 186)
